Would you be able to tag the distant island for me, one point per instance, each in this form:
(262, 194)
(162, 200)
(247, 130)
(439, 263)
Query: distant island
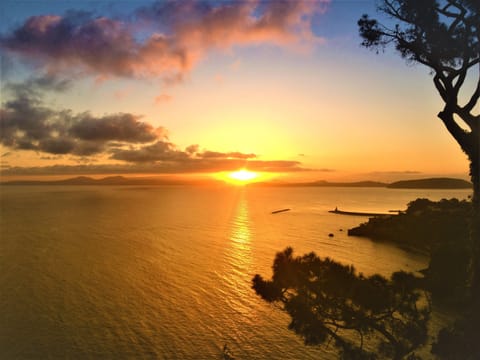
(432, 183)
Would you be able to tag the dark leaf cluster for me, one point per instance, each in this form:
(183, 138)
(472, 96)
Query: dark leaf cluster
(438, 34)
(365, 317)
(441, 230)
(460, 340)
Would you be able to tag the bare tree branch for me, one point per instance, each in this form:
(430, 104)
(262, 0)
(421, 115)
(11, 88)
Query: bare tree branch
(460, 135)
(474, 99)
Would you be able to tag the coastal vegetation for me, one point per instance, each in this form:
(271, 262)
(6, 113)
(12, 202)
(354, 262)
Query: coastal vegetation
(422, 226)
(366, 317)
(439, 229)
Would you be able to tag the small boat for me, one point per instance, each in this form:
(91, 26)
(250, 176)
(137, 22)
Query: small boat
(356, 213)
(279, 211)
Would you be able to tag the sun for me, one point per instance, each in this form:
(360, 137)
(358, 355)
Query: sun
(243, 175)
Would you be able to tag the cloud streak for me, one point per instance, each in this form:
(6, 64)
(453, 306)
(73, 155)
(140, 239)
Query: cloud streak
(164, 39)
(185, 166)
(220, 155)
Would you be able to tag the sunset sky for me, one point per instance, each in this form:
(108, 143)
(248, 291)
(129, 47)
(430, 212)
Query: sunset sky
(188, 87)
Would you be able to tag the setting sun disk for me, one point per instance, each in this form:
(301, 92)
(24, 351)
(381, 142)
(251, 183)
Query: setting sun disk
(243, 175)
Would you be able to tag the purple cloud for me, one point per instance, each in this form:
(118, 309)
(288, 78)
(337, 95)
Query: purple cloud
(180, 33)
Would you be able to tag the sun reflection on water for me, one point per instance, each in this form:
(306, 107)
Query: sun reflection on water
(239, 257)
(240, 231)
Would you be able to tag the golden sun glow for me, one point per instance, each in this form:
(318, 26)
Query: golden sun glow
(243, 175)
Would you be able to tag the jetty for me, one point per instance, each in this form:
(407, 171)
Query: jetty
(280, 211)
(357, 213)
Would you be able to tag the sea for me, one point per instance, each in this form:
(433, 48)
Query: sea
(164, 272)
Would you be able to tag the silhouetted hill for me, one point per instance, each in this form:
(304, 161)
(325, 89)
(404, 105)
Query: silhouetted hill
(80, 180)
(356, 184)
(433, 183)
(323, 183)
(110, 180)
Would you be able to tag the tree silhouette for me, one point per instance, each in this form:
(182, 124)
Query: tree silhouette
(443, 35)
(366, 317)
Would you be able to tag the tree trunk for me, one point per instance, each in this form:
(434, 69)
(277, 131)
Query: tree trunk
(475, 226)
(470, 144)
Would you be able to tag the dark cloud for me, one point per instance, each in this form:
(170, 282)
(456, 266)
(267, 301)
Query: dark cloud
(192, 149)
(166, 151)
(54, 145)
(27, 124)
(24, 121)
(51, 157)
(119, 127)
(159, 151)
(35, 85)
(165, 39)
(48, 82)
(181, 166)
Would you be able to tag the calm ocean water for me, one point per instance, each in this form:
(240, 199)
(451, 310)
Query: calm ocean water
(164, 272)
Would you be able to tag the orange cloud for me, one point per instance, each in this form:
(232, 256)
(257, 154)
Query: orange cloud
(162, 98)
(181, 33)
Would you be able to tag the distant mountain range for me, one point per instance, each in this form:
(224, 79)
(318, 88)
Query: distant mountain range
(323, 183)
(432, 183)
(110, 180)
